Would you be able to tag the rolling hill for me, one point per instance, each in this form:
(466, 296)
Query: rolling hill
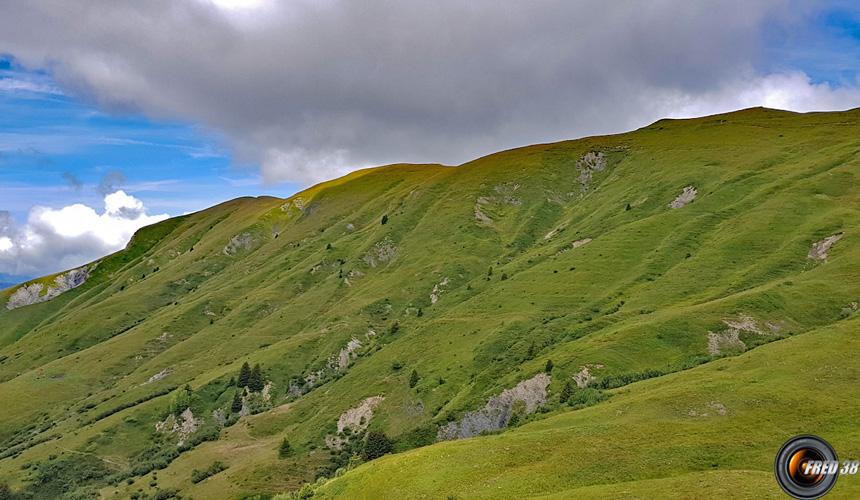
(620, 316)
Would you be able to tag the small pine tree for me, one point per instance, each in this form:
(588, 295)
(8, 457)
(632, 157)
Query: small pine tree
(328, 246)
(255, 381)
(627, 208)
(504, 276)
(244, 375)
(284, 450)
(376, 445)
(413, 379)
(385, 219)
(566, 392)
(548, 367)
(420, 312)
(236, 405)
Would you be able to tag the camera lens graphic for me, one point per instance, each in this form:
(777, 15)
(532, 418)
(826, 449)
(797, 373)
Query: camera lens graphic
(792, 473)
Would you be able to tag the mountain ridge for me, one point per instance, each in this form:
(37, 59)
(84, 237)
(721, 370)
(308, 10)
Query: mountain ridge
(471, 276)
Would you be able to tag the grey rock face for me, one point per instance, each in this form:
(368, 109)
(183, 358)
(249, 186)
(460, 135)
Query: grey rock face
(497, 412)
(32, 294)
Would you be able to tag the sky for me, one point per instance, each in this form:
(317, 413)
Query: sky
(115, 114)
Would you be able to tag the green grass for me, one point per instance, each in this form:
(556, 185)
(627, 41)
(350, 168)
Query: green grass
(639, 300)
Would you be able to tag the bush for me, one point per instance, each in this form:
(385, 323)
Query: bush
(385, 219)
(613, 381)
(585, 397)
(548, 367)
(200, 475)
(413, 379)
(284, 450)
(566, 392)
(181, 400)
(376, 445)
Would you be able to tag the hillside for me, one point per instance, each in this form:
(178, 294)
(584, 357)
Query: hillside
(684, 279)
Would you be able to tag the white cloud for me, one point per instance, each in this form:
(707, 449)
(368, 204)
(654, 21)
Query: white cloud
(17, 85)
(57, 239)
(794, 91)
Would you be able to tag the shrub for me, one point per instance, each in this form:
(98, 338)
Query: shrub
(284, 450)
(613, 381)
(413, 379)
(548, 367)
(585, 397)
(376, 445)
(181, 400)
(566, 392)
(200, 475)
(385, 219)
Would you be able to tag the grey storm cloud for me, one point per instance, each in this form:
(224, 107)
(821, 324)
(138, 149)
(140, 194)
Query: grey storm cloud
(310, 89)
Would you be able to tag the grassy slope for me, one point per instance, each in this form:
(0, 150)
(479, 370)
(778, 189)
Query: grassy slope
(652, 436)
(642, 295)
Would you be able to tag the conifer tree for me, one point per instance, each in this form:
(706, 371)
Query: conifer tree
(244, 375)
(413, 378)
(236, 406)
(377, 444)
(255, 381)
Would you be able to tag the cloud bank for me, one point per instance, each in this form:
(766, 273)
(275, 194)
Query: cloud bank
(57, 239)
(311, 89)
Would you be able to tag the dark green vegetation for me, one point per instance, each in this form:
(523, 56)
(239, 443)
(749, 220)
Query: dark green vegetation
(413, 294)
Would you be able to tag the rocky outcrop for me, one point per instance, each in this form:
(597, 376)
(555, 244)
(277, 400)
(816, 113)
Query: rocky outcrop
(586, 166)
(355, 420)
(381, 253)
(497, 412)
(687, 195)
(820, 248)
(584, 376)
(480, 216)
(729, 339)
(244, 241)
(32, 294)
(184, 426)
(504, 194)
(158, 376)
(437, 290)
(344, 357)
